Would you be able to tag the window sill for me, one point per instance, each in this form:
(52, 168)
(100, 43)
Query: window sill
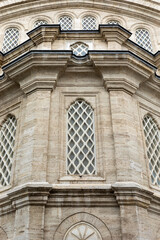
(85, 179)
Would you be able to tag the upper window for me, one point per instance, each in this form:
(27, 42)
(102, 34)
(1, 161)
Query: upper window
(89, 23)
(40, 22)
(11, 38)
(152, 138)
(143, 39)
(7, 142)
(80, 139)
(113, 22)
(79, 49)
(65, 22)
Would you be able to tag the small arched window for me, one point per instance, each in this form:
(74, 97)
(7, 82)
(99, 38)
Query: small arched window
(7, 142)
(152, 139)
(11, 38)
(79, 49)
(113, 22)
(143, 39)
(65, 22)
(80, 139)
(89, 23)
(40, 22)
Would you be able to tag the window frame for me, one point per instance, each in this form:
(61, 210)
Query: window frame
(94, 141)
(89, 15)
(146, 148)
(66, 99)
(1, 125)
(19, 36)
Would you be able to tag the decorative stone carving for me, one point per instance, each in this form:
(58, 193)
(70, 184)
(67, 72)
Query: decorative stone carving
(82, 231)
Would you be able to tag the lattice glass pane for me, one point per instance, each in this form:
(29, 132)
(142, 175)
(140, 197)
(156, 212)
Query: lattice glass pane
(143, 39)
(7, 141)
(65, 23)
(113, 22)
(89, 23)
(80, 139)
(11, 38)
(152, 137)
(40, 22)
(79, 49)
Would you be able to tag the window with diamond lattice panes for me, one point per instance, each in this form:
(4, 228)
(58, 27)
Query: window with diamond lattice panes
(143, 39)
(65, 23)
(113, 22)
(89, 23)
(11, 38)
(7, 142)
(80, 139)
(40, 22)
(79, 49)
(152, 139)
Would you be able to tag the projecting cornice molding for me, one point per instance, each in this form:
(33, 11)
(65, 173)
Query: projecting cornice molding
(34, 65)
(37, 70)
(121, 70)
(130, 193)
(114, 35)
(44, 33)
(58, 195)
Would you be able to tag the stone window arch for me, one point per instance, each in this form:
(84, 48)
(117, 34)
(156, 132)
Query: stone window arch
(7, 142)
(89, 23)
(152, 139)
(79, 49)
(143, 39)
(80, 139)
(66, 22)
(40, 22)
(82, 231)
(11, 38)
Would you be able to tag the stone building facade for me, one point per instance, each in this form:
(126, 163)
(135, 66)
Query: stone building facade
(79, 120)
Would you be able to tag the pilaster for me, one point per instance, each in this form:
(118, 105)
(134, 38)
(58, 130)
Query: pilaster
(37, 76)
(133, 201)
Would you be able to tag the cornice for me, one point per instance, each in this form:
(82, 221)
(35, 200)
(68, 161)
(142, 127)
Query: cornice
(34, 68)
(86, 195)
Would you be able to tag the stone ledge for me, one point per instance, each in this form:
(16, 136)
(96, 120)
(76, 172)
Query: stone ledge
(87, 195)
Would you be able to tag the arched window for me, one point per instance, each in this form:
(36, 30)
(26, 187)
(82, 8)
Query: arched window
(7, 142)
(143, 39)
(40, 22)
(89, 23)
(113, 22)
(11, 38)
(79, 49)
(65, 22)
(152, 138)
(80, 139)
(82, 231)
